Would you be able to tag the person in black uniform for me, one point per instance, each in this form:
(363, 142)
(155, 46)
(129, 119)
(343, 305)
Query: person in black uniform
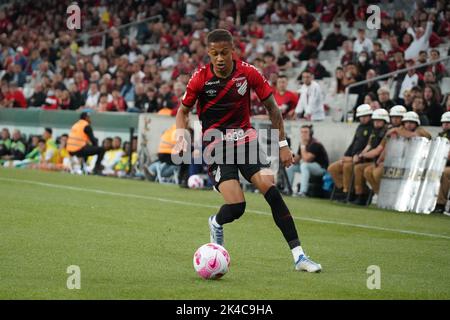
(445, 179)
(341, 170)
(380, 120)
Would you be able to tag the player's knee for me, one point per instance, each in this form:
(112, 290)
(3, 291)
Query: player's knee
(237, 209)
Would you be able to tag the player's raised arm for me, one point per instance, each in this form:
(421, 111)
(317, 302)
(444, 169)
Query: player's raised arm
(275, 117)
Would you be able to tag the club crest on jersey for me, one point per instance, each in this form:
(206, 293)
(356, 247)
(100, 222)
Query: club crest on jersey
(242, 87)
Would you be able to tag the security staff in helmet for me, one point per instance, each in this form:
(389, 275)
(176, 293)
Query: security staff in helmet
(341, 170)
(380, 121)
(396, 115)
(410, 128)
(445, 179)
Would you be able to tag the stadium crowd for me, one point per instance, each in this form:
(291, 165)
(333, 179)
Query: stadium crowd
(145, 68)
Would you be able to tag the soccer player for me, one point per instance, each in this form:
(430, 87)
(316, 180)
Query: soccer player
(222, 89)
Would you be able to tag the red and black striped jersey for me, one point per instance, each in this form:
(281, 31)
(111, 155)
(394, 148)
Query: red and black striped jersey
(225, 103)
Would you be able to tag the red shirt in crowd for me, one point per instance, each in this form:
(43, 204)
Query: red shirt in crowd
(287, 101)
(18, 98)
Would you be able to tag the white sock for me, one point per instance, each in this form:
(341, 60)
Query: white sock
(297, 252)
(214, 222)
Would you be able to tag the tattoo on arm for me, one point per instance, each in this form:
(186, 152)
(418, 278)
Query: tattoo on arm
(275, 115)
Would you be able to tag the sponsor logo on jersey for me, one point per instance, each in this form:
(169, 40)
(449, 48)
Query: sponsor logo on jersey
(239, 79)
(211, 93)
(210, 83)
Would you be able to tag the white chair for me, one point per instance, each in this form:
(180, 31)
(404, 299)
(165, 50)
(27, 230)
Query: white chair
(445, 85)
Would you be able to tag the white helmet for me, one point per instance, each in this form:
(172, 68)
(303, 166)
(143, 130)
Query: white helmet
(411, 116)
(363, 110)
(381, 114)
(445, 117)
(397, 111)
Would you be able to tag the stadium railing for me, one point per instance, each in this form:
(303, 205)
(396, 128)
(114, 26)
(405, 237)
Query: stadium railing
(382, 77)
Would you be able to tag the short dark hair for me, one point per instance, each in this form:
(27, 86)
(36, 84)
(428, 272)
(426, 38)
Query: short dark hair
(282, 75)
(219, 35)
(49, 130)
(84, 115)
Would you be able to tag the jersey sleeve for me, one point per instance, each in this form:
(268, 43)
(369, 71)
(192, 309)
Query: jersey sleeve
(258, 83)
(193, 89)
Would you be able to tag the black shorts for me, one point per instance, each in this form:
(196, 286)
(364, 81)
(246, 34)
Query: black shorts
(220, 172)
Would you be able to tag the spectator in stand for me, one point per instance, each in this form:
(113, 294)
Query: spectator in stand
(370, 87)
(335, 39)
(410, 79)
(339, 86)
(12, 96)
(363, 63)
(438, 69)
(349, 55)
(283, 61)
(346, 12)
(380, 65)
(316, 68)
(384, 98)
(429, 78)
(446, 104)
(423, 57)
(286, 100)
(311, 26)
(362, 43)
(420, 41)
(433, 109)
(310, 104)
(118, 102)
(408, 97)
(38, 97)
(329, 10)
(166, 99)
(418, 107)
(140, 99)
(76, 98)
(308, 50)
(152, 100)
(270, 65)
(292, 44)
(92, 97)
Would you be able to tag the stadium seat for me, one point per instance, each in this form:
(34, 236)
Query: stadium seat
(445, 85)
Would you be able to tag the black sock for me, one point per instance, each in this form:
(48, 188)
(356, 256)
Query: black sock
(282, 217)
(230, 212)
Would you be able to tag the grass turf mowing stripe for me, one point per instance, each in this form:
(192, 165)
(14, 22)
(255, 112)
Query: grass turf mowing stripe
(51, 185)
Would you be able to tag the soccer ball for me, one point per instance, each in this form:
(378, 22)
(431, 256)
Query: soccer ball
(211, 261)
(195, 182)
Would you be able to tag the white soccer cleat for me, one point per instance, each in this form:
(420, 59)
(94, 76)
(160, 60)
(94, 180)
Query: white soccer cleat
(216, 234)
(305, 264)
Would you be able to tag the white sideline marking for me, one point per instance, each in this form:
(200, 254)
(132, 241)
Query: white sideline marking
(194, 204)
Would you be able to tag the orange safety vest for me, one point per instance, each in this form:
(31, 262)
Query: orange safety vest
(77, 137)
(167, 141)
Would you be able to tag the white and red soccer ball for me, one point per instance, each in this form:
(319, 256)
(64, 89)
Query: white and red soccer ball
(195, 182)
(211, 261)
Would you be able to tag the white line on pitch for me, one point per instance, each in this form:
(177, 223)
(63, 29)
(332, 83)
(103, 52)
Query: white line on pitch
(51, 185)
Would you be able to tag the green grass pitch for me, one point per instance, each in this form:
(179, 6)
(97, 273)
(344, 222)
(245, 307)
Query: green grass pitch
(136, 240)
